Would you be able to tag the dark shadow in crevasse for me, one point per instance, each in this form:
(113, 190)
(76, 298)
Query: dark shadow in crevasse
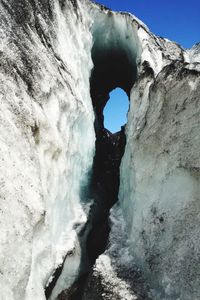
(114, 59)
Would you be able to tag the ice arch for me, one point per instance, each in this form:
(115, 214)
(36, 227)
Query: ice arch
(115, 54)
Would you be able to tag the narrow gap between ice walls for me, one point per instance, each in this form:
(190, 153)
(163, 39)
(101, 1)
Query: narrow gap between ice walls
(114, 54)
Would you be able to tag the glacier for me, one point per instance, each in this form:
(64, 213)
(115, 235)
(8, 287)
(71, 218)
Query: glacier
(60, 218)
(47, 143)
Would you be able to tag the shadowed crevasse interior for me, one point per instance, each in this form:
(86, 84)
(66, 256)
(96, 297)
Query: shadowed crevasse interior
(114, 55)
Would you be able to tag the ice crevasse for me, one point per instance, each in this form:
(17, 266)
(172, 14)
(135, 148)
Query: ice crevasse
(59, 61)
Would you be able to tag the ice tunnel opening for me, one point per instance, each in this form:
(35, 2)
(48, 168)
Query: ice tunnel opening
(115, 111)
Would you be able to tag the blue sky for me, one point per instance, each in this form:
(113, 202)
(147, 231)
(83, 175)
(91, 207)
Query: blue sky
(116, 110)
(177, 20)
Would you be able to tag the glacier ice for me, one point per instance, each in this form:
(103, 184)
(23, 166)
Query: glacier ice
(159, 176)
(163, 187)
(53, 55)
(49, 121)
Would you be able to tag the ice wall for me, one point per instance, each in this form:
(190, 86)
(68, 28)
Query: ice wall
(47, 141)
(159, 191)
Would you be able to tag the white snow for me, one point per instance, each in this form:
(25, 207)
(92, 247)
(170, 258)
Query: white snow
(194, 53)
(119, 287)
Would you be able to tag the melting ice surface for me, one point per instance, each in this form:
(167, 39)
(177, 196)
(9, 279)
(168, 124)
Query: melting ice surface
(115, 111)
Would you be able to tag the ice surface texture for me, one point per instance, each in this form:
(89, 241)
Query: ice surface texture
(47, 144)
(47, 141)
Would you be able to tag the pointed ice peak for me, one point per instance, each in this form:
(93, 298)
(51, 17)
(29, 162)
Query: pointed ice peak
(194, 53)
